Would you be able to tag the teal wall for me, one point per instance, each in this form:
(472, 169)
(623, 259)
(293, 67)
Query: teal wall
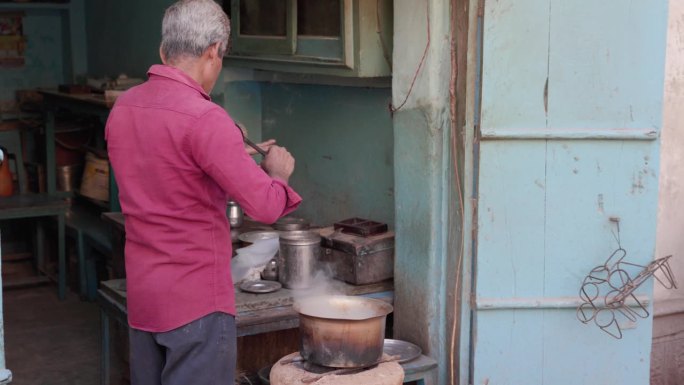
(342, 140)
(425, 260)
(123, 36)
(44, 55)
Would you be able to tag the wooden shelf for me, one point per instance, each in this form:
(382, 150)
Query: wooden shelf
(30, 6)
(21, 282)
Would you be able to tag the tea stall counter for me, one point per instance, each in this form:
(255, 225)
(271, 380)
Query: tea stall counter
(257, 313)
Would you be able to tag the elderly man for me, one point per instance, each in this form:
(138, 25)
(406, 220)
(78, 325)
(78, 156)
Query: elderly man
(177, 158)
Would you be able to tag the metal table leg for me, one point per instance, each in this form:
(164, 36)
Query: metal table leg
(40, 246)
(104, 364)
(81, 263)
(50, 160)
(62, 256)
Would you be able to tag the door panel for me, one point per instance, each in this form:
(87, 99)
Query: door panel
(587, 183)
(517, 37)
(606, 63)
(511, 220)
(571, 111)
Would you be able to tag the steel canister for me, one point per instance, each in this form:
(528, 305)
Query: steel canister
(298, 258)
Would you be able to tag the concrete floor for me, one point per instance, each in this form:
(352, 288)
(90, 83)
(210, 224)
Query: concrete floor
(51, 342)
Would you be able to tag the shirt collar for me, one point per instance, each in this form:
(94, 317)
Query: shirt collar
(177, 75)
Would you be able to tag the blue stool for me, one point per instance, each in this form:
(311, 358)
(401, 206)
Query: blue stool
(423, 370)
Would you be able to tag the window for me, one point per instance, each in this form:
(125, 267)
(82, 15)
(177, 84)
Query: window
(304, 28)
(330, 37)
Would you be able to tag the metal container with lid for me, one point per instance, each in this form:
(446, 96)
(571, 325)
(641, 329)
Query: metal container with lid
(298, 258)
(358, 260)
(291, 224)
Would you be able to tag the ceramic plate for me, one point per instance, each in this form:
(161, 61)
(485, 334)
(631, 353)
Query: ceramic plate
(405, 350)
(260, 287)
(253, 236)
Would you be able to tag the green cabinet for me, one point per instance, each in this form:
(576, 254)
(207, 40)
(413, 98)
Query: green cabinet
(331, 37)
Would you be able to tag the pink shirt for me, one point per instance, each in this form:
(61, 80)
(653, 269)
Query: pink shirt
(177, 157)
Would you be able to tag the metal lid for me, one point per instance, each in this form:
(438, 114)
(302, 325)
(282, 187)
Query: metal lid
(301, 237)
(291, 224)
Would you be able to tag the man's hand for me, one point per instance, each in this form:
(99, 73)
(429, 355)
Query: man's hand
(278, 163)
(266, 146)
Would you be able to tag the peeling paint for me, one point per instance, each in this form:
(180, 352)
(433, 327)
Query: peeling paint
(637, 183)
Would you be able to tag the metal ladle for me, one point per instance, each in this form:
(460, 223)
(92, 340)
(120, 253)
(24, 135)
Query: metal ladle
(249, 142)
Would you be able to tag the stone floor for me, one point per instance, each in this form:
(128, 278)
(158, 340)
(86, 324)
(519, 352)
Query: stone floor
(48, 341)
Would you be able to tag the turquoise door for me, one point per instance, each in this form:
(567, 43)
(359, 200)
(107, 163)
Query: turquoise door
(569, 125)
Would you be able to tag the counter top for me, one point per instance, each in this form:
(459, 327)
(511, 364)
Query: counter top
(117, 219)
(95, 99)
(257, 313)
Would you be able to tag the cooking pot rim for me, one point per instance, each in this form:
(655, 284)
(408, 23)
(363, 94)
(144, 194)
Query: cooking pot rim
(382, 308)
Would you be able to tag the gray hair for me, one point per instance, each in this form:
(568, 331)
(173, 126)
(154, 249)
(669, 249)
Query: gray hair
(191, 26)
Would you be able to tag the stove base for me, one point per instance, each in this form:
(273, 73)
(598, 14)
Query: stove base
(387, 373)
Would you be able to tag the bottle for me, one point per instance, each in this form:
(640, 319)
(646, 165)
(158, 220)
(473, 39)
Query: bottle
(235, 215)
(270, 272)
(6, 183)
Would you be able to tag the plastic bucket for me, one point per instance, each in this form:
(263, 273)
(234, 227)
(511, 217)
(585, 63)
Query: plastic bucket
(70, 140)
(95, 181)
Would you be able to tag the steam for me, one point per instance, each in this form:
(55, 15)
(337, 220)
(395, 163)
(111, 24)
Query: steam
(322, 284)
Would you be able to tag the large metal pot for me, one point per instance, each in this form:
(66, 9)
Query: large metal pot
(342, 331)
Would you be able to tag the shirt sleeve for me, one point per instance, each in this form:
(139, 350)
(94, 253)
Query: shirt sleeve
(217, 147)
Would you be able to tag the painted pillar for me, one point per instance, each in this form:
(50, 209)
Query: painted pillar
(670, 210)
(668, 309)
(570, 120)
(5, 374)
(422, 175)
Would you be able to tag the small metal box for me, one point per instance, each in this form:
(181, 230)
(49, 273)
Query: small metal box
(358, 260)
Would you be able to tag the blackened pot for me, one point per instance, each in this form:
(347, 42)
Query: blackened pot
(342, 331)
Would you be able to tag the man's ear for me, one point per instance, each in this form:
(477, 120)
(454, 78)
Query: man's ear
(162, 56)
(214, 51)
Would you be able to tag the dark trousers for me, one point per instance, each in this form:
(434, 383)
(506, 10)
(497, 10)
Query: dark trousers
(202, 352)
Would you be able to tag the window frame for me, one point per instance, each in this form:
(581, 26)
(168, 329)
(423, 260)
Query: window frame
(322, 49)
(250, 44)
